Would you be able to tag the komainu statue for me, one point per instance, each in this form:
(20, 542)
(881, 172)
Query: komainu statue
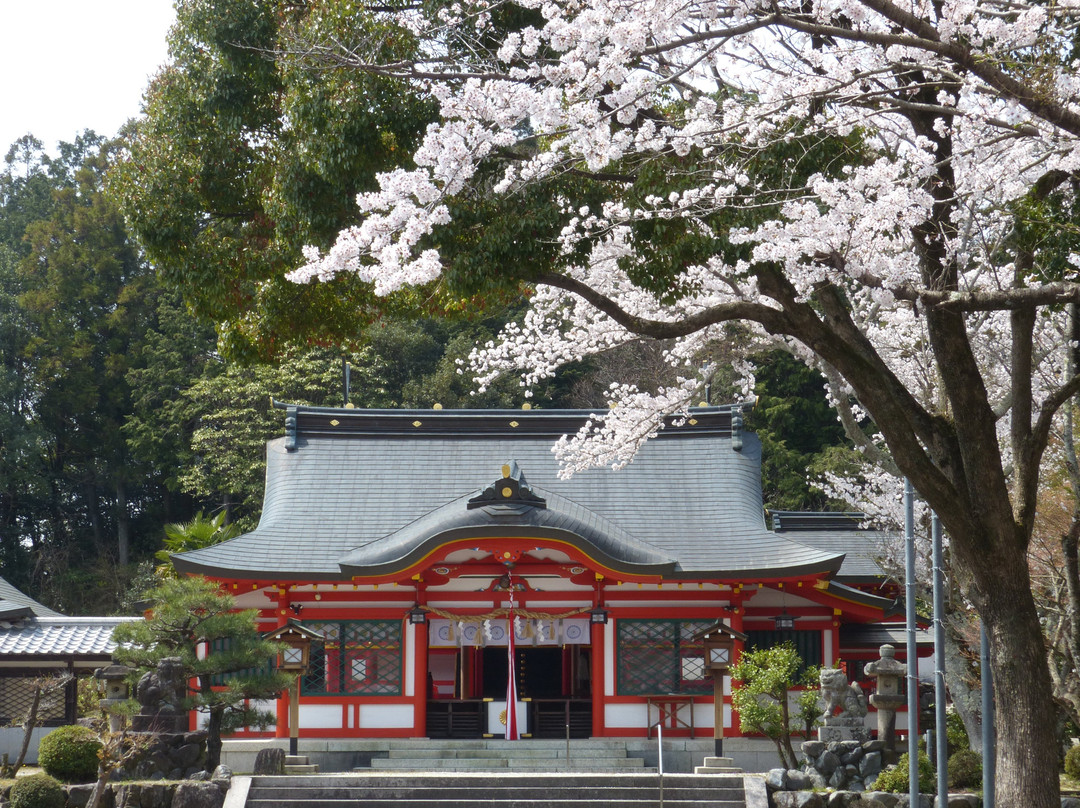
(161, 691)
(837, 694)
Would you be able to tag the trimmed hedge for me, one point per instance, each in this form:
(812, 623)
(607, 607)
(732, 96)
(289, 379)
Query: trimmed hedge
(37, 791)
(965, 769)
(70, 754)
(1072, 762)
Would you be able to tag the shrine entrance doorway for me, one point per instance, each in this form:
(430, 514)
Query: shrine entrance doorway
(554, 683)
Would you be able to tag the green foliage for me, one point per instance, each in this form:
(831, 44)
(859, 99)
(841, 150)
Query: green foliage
(810, 709)
(965, 769)
(956, 732)
(1072, 762)
(241, 159)
(800, 435)
(895, 779)
(201, 531)
(37, 791)
(766, 677)
(186, 614)
(70, 754)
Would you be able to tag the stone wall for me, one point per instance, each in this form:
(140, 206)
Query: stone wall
(170, 756)
(202, 791)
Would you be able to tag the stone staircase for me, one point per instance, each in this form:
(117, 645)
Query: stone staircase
(717, 765)
(300, 765)
(387, 789)
(598, 755)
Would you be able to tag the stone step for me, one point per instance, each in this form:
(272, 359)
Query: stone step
(717, 765)
(548, 753)
(301, 768)
(508, 790)
(506, 780)
(508, 764)
(599, 795)
(509, 803)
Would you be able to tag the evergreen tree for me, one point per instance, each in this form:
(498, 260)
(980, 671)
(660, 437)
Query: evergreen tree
(226, 661)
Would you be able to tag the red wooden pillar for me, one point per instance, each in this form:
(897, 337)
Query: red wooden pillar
(420, 678)
(284, 701)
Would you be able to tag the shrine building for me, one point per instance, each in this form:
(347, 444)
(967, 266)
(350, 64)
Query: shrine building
(403, 538)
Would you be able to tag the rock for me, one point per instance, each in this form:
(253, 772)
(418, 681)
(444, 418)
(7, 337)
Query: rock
(886, 798)
(129, 795)
(868, 802)
(154, 796)
(925, 801)
(827, 763)
(270, 760)
(1070, 802)
(775, 779)
(812, 749)
(187, 755)
(960, 800)
(873, 746)
(797, 780)
(838, 779)
(816, 780)
(221, 776)
(870, 765)
(199, 776)
(78, 795)
(842, 799)
(792, 799)
(193, 794)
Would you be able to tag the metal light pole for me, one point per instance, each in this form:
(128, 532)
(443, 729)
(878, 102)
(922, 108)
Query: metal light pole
(942, 744)
(912, 654)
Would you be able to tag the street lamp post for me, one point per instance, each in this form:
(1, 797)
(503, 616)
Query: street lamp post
(294, 658)
(719, 641)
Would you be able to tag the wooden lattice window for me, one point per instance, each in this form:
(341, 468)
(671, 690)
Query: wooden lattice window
(356, 658)
(661, 656)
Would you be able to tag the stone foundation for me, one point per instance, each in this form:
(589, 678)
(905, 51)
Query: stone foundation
(207, 793)
(170, 756)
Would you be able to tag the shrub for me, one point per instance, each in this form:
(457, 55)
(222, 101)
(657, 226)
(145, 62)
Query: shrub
(70, 754)
(1072, 762)
(37, 791)
(965, 769)
(956, 732)
(896, 778)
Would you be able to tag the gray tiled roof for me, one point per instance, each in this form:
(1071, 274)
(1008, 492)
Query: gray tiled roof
(839, 533)
(79, 636)
(689, 495)
(14, 603)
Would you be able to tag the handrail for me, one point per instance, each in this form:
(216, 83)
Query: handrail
(659, 725)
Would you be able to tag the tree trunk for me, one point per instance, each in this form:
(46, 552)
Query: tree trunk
(213, 739)
(90, 491)
(123, 524)
(1027, 764)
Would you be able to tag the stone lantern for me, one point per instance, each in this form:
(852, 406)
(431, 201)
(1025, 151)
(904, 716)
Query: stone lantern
(719, 641)
(116, 689)
(887, 697)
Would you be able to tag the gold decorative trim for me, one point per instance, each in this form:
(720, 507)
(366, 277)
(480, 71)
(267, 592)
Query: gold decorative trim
(514, 424)
(334, 422)
(417, 423)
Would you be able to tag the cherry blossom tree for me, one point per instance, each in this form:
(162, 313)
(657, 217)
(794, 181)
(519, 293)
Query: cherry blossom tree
(887, 189)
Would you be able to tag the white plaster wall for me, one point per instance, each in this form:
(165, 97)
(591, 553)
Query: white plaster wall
(396, 716)
(320, 716)
(626, 715)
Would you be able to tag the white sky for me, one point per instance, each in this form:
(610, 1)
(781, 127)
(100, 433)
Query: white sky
(69, 65)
